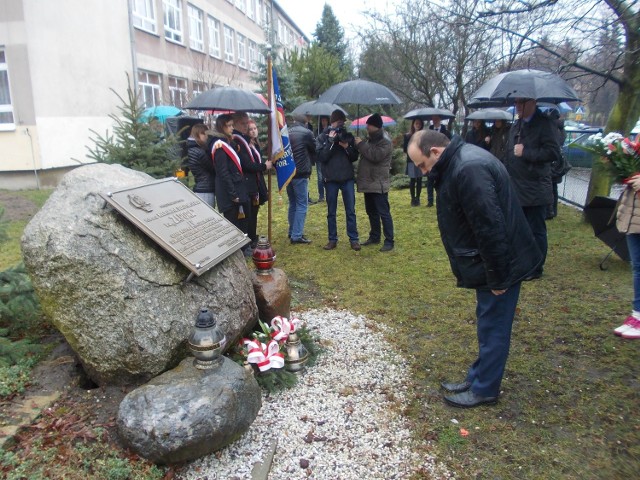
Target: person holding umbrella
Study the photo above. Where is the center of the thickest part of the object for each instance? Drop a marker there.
(532, 147)
(336, 154)
(490, 249)
(200, 165)
(253, 169)
(374, 181)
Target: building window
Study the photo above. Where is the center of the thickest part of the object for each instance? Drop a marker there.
(242, 5)
(242, 51)
(253, 56)
(6, 109)
(178, 91)
(280, 31)
(196, 31)
(214, 37)
(229, 55)
(198, 88)
(144, 15)
(252, 10)
(258, 8)
(173, 20)
(150, 87)
(266, 15)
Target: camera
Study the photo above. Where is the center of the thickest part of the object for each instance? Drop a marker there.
(342, 135)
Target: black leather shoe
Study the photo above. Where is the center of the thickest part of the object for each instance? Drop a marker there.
(302, 239)
(456, 387)
(370, 242)
(468, 399)
(387, 247)
(330, 245)
(533, 276)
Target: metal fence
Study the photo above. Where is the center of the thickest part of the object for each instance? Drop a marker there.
(574, 186)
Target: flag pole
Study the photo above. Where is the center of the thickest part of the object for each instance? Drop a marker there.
(269, 140)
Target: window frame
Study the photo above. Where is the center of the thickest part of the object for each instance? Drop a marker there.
(178, 90)
(145, 22)
(6, 108)
(196, 28)
(173, 33)
(253, 56)
(214, 45)
(229, 55)
(155, 88)
(241, 41)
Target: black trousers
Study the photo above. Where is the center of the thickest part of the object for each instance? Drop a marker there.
(379, 212)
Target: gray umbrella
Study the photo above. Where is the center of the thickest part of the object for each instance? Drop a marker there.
(428, 113)
(317, 108)
(360, 92)
(228, 98)
(490, 114)
(542, 86)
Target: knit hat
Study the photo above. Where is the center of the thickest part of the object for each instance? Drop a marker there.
(337, 116)
(375, 120)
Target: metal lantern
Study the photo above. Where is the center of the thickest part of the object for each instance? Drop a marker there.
(263, 256)
(206, 341)
(296, 354)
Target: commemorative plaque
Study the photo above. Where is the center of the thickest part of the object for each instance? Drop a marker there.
(176, 219)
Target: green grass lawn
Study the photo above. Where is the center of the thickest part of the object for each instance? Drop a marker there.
(570, 392)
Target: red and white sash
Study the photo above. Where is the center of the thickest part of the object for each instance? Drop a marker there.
(228, 150)
(255, 155)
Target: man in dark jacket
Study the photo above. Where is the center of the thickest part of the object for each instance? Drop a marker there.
(336, 153)
(531, 149)
(374, 181)
(303, 146)
(490, 248)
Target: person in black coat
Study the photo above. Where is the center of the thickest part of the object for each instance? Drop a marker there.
(336, 154)
(415, 175)
(532, 147)
(490, 248)
(303, 147)
(253, 169)
(231, 192)
(200, 164)
(478, 135)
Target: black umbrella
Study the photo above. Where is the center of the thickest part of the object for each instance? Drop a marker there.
(360, 92)
(490, 114)
(600, 214)
(542, 86)
(428, 113)
(229, 98)
(316, 108)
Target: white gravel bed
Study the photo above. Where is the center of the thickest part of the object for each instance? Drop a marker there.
(341, 421)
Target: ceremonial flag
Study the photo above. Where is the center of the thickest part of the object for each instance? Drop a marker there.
(280, 146)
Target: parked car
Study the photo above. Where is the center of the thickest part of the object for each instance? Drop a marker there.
(578, 136)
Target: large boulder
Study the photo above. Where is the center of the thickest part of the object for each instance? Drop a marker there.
(118, 298)
(187, 413)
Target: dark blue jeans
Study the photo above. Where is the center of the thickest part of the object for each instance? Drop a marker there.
(349, 199)
(298, 193)
(537, 219)
(379, 211)
(633, 242)
(495, 317)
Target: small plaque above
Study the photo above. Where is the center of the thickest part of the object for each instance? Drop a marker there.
(176, 219)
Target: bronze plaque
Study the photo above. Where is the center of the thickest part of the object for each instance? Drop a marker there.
(176, 219)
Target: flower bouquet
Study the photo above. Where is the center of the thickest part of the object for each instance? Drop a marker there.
(619, 155)
(263, 352)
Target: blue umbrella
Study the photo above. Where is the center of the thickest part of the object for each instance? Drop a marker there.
(161, 112)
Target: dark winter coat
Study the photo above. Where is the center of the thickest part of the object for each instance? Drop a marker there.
(336, 162)
(483, 229)
(252, 165)
(375, 163)
(230, 183)
(531, 173)
(303, 146)
(200, 164)
(442, 129)
(499, 141)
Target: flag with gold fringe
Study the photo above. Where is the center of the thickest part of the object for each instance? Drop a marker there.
(280, 146)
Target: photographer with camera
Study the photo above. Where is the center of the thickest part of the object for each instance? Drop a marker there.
(374, 181)
(336, 154)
